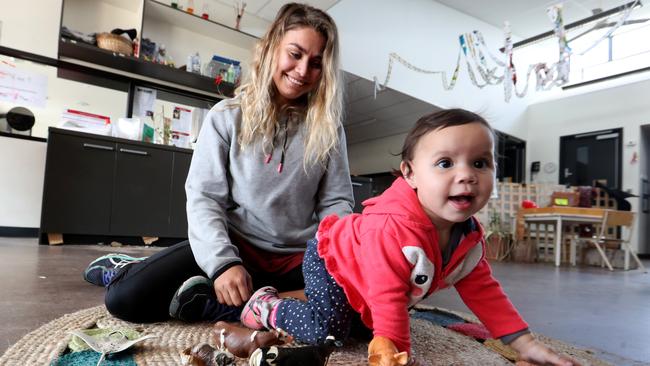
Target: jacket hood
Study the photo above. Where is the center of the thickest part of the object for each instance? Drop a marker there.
(401, 200)
(398, 200)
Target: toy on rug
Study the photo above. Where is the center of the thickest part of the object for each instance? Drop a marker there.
(107, 341)
(242, 342)
(205, 355)
(474, 330)
(382, 352)
(295, 356)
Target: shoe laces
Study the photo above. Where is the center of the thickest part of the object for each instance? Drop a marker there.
(121, 263)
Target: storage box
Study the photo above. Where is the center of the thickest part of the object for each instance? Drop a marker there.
(219, 66)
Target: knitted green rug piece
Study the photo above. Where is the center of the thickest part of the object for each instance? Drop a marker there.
(89, 357)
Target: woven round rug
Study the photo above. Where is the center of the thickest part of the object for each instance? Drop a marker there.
(431, 344)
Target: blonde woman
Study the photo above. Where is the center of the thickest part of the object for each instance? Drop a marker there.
(268, 166)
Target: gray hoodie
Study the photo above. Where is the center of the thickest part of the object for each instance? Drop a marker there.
(230, 189)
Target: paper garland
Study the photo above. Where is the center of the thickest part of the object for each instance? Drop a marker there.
(473, 49)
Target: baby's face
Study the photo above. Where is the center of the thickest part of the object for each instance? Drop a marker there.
(453, 172)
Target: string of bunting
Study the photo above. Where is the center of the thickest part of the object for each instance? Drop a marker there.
(473, 50)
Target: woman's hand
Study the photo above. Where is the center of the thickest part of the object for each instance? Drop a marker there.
(234, 287)
(535, 352)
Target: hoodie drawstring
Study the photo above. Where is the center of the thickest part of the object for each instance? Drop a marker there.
(269, 156)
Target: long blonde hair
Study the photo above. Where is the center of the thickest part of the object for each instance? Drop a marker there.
(321, 108)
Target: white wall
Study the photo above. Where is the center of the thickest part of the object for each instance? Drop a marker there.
(21, 187)
(31, 25)
(425, 33)
(625, 106)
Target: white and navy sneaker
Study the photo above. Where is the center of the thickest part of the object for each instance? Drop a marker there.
(101, 271)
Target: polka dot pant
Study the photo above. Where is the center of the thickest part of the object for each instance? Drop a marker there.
(326, 312)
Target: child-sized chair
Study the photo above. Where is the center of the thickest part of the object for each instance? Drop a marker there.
(612, 219)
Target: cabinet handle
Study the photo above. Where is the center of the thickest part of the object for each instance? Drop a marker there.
(135, 152)
(98, 147)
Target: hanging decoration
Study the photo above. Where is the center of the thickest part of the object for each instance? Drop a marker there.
(473, 50)
(239, 12)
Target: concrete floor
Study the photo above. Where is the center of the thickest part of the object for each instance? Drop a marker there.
(590, 307)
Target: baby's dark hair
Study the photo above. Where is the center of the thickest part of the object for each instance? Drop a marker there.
(436, 121)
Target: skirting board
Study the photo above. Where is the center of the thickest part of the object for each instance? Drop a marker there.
(18, 232)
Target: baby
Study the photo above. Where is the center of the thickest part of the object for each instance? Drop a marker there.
(419, 236)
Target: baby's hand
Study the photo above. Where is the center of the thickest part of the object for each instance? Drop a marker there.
(535, 352)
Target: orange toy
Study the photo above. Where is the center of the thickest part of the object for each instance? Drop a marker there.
(382, 352)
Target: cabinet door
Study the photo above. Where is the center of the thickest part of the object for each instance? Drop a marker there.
(178, 213)
(142, 191)
(78, 185)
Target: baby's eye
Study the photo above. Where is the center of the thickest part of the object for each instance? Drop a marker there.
(444, 164)
(482, 164)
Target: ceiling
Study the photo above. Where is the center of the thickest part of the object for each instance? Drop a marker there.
(367, 118)
(267, 9)
(528, 17)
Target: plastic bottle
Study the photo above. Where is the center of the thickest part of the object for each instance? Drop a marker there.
(190, 63)
(230, 74)
(175, 4)
(190, 6)
(196, 63)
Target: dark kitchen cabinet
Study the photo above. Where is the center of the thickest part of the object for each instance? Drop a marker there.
(78, 185)
(142, 191)
(103, 186)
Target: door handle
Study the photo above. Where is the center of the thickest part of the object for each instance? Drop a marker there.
(134, 152)
(567, 173)
(97, 147)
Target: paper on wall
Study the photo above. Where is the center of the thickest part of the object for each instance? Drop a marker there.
(22, 87)
(181, 127)
(143, 102)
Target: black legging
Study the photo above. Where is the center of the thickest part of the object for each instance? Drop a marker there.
(142, 291)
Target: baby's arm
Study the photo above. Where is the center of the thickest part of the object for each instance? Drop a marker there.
(534, 351)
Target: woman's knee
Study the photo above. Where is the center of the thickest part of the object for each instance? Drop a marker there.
(120, 305)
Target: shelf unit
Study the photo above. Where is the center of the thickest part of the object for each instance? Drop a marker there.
(138, 69)
(158, 21)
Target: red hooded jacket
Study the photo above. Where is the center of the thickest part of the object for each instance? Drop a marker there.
(387, 259)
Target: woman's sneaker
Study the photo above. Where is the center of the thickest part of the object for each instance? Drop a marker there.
(195, 300)
(101, 271)
(259, 308)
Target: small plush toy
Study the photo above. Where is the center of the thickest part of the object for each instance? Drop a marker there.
(298, 356)
(241, 341)
(382, 352)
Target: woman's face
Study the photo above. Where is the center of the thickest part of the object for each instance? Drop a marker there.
(298, 63)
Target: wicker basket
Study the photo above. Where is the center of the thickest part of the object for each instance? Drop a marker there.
(114, 43)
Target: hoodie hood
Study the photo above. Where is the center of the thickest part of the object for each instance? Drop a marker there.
(402, 201)
(398, 200)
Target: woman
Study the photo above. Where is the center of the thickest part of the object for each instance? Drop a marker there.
(268, 166)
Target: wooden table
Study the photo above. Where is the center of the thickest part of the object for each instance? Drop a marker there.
(560, 215)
